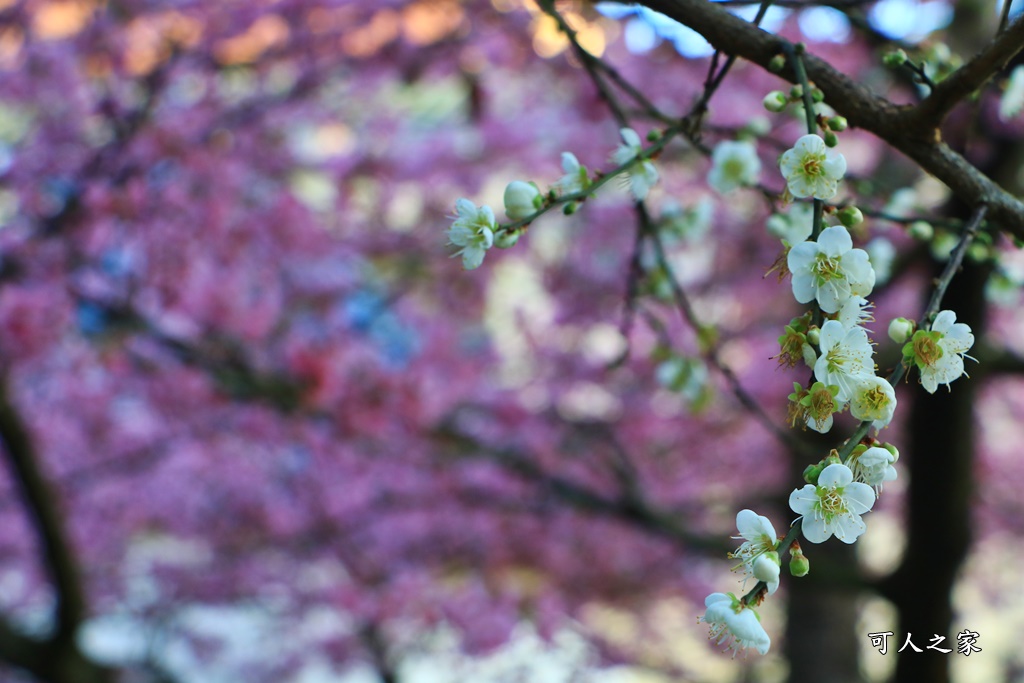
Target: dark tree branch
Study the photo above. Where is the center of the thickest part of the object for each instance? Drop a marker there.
(629, 508)
(971, 76)
(896, 125)
(41, 506)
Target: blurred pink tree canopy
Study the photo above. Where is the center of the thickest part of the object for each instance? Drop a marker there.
(241, 373)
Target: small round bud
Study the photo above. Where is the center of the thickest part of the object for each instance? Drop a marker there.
(799, 565)
(796, 92)
(831, 139)
(921, 230)
(811, 474)
(978, 253)
(776, 101)
(653, 135)
(766, 567)
(522, 199)
(900, 330)
(850, 216)
(504, 240)
(814, 336)
(569, 209)
(894, 59)
(817, 96)
(838, 123)
(776, 63)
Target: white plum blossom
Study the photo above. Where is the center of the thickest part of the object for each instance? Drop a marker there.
(521, 200)
(758, 534)
(882, 254)
(830, 270)
(1012, 100)
(845, 358)
(794, 227)
(759, 540)
(812, 169)
(873, 399)
(576, 178)
(939, 353)
(855, 312)
(643, 175)
(734, 164)
(473, 230)
(734, 624)
(874, 467)
(766, 568)
(834, 506)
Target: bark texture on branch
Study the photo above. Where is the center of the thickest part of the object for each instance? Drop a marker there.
(909, 129)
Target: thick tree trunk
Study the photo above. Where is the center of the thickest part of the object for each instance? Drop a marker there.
(940, 456)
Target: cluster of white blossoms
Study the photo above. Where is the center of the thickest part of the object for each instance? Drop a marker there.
(832, 340)
(475, 229)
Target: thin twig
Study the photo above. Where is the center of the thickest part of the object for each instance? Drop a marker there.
(709, 352)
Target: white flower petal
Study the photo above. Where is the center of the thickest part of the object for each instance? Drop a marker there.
(835, 475)
(848, 528)
(630, 137)
(835, 241)
(815, 530)
(860, 498)
(802, 501)
(943, 321)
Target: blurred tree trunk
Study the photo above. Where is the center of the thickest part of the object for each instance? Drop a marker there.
(821, 639)
(939, 464)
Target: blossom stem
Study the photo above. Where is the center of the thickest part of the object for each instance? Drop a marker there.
(955, 259)
(645, 155)
(794, 53)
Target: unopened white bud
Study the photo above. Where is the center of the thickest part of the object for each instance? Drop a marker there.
(900, 330)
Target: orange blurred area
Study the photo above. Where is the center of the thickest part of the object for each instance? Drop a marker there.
(60, 19)
(267, 32)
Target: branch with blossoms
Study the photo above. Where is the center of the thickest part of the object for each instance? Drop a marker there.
(830, 339)
(916, 135)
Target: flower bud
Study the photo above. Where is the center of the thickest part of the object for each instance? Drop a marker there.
(776, 63)
(569, 209)
(838, 123)
(811, 473)
(895, 58)
(766, 567)
(504, 240)
(814, 335)
(799, 565)
(521, 200)
(776, 101)
(796, 92)
(817, 96)
(831, 139)
(900, 330)
(978, 253)
(850, 216)
(893, 450)
(921, 230)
